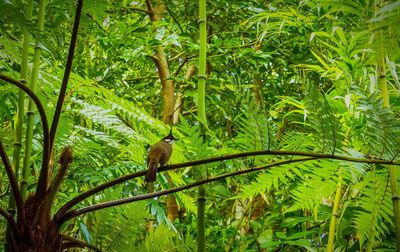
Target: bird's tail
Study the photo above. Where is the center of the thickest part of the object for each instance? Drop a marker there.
(151, 173)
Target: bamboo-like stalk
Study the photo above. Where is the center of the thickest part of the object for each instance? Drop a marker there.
(201, 193)
(335, 214)
(21, 97)
(381, 74)
(202, 63)
(201, 213)
(20, 111)
(392, 169)
(33, 86)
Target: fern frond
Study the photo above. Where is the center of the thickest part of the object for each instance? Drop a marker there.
(275, 179)
(382, 129)
(316, 188)
(297, 141)
(118, 228)
(255, 132)
(373, 220)
(327, 129)
(162, 238)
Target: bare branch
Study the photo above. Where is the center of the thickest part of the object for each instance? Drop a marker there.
(13, 182)
(174, 18)
(180, 66)
(75, 243)
(10, 220)
(43, 183)
(42, 113)
(138, 9)
(118, 202)
(187, 58)
(122, 179)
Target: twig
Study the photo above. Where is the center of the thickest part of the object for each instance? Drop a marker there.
(118, 202)
(187, 58)
(174, 18)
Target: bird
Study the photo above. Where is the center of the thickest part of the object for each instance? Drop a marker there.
(158, 155)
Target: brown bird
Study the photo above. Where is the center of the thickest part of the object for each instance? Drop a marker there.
(158, 155)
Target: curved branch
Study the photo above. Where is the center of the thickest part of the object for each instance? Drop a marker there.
(42, 113)
(122, 179)
(138, 9)
(180, 66)
(43, 183)
(10, 220)
(118, 202)
(174, 18)
(75, 243)
(187, 58)
(13, 183)
(6, 192)
(95, 190)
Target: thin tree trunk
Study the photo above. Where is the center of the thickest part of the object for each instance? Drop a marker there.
(167, 87)
(156, 14)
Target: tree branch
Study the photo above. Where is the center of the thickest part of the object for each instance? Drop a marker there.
(180, 66)
(10, 220)
(42, 113)
(138, 9)
(122, 179)
(75, 243)
(118, 202)
(14, 184)
(150, 10)
(43, 183)
(174, 18)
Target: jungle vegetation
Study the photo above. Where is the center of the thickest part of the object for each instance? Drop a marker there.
(287, 114)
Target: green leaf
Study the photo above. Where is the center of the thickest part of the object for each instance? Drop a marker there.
(85, 232)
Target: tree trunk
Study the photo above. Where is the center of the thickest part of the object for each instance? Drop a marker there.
(156, 13)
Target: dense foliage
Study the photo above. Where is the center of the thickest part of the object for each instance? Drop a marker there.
(281, 75)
